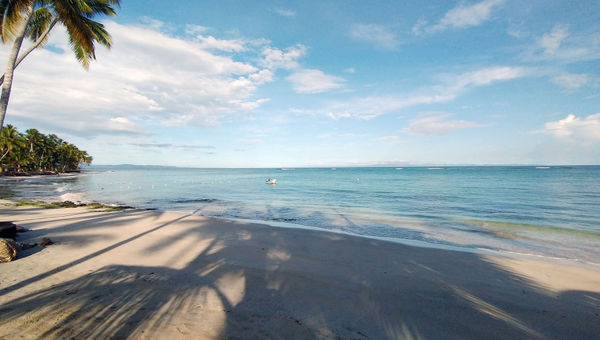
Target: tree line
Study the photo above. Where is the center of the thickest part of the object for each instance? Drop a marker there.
(33, 152)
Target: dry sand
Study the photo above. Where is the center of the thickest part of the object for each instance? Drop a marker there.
(154, 275)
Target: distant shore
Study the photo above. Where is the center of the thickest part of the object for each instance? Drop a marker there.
(150, 274)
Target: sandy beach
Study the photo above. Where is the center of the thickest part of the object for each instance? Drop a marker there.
(141, 274)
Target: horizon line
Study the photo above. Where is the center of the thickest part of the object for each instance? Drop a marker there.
(351, 166)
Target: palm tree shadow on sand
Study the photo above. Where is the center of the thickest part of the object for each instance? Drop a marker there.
(254, 282)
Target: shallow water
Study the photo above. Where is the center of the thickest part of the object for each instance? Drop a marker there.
(544, 211)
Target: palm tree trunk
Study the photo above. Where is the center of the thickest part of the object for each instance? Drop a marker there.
(1, 158)
(10, 65)
(33, 46)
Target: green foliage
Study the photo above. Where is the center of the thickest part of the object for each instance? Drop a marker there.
(35, 152)
(75, 15)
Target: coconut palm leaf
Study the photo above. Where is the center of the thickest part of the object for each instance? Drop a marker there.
(11, 17)
(84, 32)
(40, 22)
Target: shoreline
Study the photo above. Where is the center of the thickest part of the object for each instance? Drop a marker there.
(413, 243)
(291, 225)
(475, 222)
(151, 274)
(38, 173)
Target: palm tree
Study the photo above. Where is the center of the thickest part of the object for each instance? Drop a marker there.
(11, 144)
(34, 138)
(33, 19)
(35, 152)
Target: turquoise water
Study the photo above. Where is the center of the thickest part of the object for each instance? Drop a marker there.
(551, 212)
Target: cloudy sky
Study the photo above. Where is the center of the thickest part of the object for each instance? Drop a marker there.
(326, 83)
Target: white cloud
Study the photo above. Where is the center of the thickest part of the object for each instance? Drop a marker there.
(285, 12)
(195, 29)
(261, 77)
(562, 45)
(373, 106)
(152, 23)
(466, 16)
(314, 81)
(484, 76)
(550, 42)
(420, 27)
(275, 58)
(572, 126)
(374, 34)
(437, 124)
(515, 32)
(350, 70)
(211, 43)
(147, 77)
(450, 87)
(461, 16)
(123, 124)
(571, 81)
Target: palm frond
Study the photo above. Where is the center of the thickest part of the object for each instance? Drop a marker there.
(84, 32)
(81, 54)
(97, 33)
(70, 14)
(101, 35)
(100, 7)
(40, 22)
(11, 16)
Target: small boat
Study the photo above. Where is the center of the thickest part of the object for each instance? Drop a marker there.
(272, 181)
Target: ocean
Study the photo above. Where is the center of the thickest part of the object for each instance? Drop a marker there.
(551, 212)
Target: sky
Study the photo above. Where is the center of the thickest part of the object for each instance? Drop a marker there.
(325, 83)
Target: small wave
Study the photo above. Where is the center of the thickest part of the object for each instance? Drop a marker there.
(530, 254)
(516, 227)
(542, 167)
(76, 197)
(60, 189)
(435, 168)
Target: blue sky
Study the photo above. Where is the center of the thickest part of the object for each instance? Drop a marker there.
(326, 83)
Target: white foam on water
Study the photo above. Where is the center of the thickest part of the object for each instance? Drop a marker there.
(75, 197)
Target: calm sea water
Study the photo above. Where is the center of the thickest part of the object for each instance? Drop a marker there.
(550, 212)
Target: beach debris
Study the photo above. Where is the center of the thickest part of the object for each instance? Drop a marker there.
(8, 230)
(46, 241)
(9, 250)
(50, 205)
(70, 204)
(67, 204)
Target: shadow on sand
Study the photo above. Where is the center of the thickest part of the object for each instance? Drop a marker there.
(249, 281)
